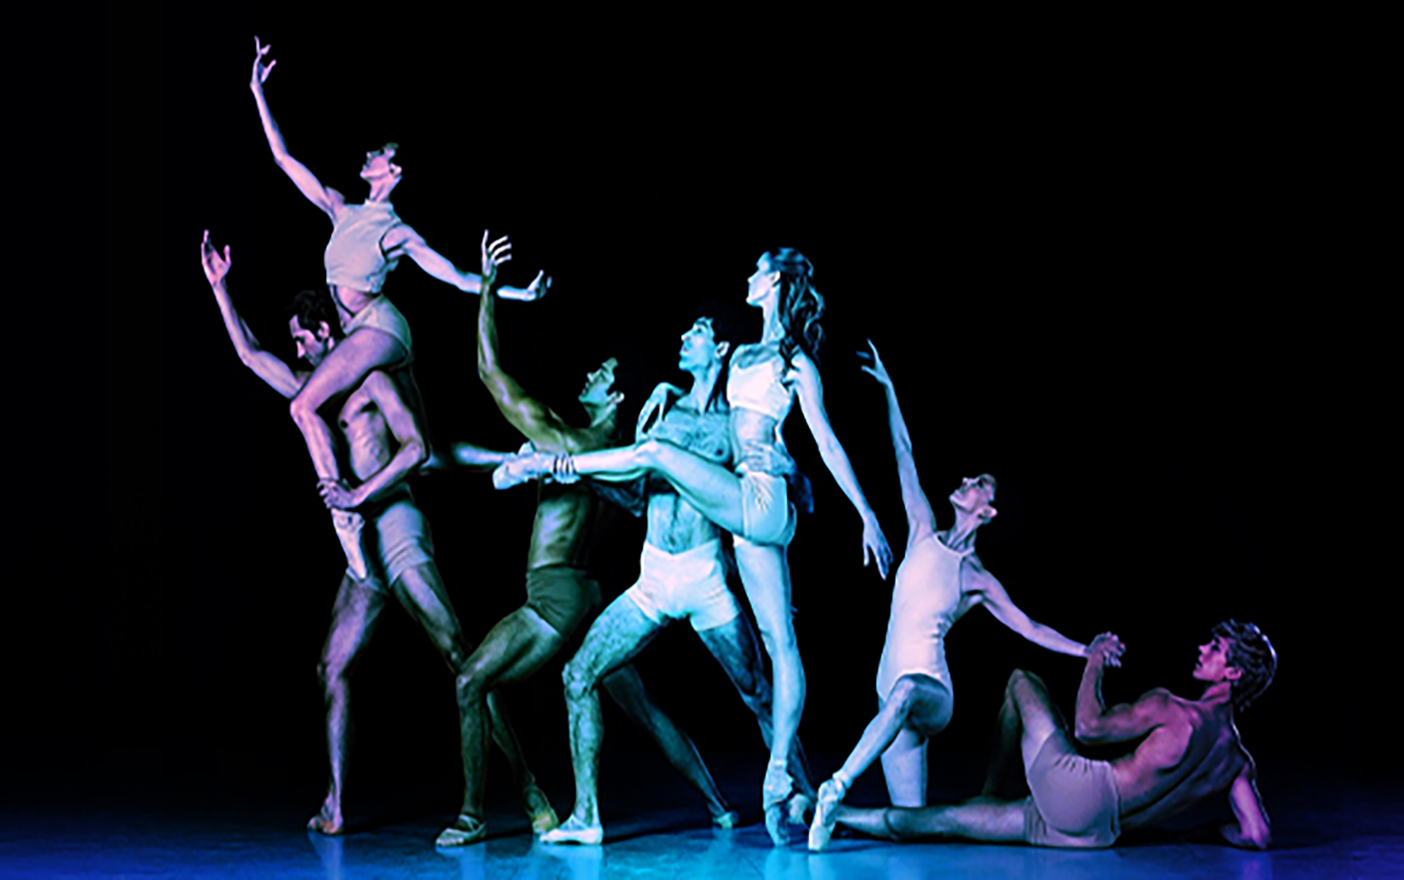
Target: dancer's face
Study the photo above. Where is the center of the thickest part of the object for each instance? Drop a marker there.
(311, 347)
(700, 349)
(764, 283)
(1213, 662)
(976, 495)
(378, 164)
(598, 384)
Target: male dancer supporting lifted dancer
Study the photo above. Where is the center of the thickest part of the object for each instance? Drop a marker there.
(367, 242)
(380, 415)
(1188, 751)
(939, 580)
(682, 576)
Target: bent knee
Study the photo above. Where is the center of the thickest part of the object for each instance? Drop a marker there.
(578, 681)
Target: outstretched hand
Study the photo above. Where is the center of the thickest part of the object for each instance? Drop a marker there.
(1108, 648)
(538, 286)
(877, 370)
(216, 267)
(494, 254)
(875, 547)
(260, 70)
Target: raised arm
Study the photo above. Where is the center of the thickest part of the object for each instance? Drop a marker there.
(1096, 724)
(404, 426)
(989, 592)
(536, 421)
(267, 367)
(811, 397)
(1253, 830)
(326, 199)
(404, 240)
(920, 520)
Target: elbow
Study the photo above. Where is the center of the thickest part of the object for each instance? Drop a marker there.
(302, 411)
(416, 452)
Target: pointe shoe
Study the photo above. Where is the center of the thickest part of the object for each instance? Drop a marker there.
(349, 525)
(526, 465)
(825, 814)
(774, 792)
(800, 804)
(729, 819)
(464, 830)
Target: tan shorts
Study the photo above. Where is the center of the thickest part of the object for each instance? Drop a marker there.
(397, 538)
(1074, 800)
(690, 584)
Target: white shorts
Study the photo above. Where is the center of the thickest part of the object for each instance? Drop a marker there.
(690, 584)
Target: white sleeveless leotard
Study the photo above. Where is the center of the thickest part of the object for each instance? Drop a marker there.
(767, 515)
(354, 257)
(925, 604)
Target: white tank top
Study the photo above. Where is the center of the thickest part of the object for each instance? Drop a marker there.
(925, 604)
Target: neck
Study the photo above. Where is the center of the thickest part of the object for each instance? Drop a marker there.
(380, 188)
(961, 536)
(704, 379)
(1220, 692)
(770, 313)
(602, 417)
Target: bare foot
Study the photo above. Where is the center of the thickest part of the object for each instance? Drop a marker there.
(576, 830)
(464, 830)
(538, 809)
(328, 819)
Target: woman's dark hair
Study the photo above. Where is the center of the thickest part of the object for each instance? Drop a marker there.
(1254, 656)
(801, 306)
(312, 307)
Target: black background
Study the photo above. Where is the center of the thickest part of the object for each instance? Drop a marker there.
(1107, 290)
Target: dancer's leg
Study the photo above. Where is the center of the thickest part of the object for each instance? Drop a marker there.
(516, 647)
(765, 574)
(734, 646)
(711, 488)
(421, 591)
(973, 820)
(619, 633)
(354, 616)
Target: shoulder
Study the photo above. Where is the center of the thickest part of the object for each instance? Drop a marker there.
(1160, 700)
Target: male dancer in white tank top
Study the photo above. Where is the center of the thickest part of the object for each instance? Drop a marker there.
(939, 580)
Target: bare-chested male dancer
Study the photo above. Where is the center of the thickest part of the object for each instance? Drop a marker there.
(939, 580)
(682, 576)
(1188, 750)
(560, 594)
(367, 242)
(381, 424)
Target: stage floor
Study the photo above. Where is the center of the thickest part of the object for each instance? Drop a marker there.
(1325, 825)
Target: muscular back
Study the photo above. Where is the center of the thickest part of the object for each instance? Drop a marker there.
(1193, 753)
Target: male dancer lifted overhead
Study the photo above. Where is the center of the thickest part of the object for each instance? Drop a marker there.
(1186, 751)
(682, 576)
(367, 242)
(381, 425)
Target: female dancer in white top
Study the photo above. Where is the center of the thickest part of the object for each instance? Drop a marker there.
(751, 502)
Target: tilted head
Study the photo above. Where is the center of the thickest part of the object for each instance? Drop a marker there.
(976, 496)
(784, 278)
(314, 325)
(1238, 653)
(598, 396)
(715, 332)
(379, 169)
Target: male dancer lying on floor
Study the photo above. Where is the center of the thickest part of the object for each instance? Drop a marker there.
(1188, 751)
(682, 576)
(380, 423)
(939, 581)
